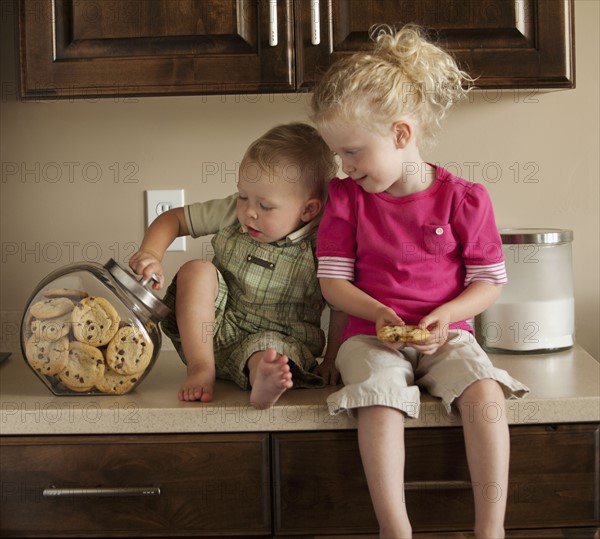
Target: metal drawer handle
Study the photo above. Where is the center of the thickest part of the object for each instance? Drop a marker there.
(92, 492)
(437, 485)
(315, 23)
(273, 23)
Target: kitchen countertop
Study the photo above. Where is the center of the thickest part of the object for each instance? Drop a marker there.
(565, 388)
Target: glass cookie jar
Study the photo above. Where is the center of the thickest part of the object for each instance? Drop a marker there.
(91, 329)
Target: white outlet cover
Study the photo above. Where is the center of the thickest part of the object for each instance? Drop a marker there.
(159, 201)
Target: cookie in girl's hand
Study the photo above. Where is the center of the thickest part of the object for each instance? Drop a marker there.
(405, 333)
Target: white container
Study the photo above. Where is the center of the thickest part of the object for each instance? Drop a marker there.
(536, 311)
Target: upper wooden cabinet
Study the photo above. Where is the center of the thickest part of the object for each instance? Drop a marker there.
(104, 48)
(101, 48)
(503, 43)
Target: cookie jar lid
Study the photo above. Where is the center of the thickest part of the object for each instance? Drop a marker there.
(129, 282)
(537, 236)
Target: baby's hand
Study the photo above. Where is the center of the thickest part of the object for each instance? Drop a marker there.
(146, 264)
(326, 370)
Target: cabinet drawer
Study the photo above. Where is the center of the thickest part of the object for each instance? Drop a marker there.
(320, 486)
(135, 485)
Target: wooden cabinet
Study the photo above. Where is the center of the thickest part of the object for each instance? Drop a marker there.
(320, 488)
(503, 43)
(150, 486)
(86, 48)
(285, 484)
(118, 48)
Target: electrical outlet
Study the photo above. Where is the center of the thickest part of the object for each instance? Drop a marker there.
(158, 202)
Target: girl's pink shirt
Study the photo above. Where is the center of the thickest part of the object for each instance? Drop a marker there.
(412, 253)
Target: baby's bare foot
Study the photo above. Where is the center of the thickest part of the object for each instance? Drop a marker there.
(271, 377)
(198, 386)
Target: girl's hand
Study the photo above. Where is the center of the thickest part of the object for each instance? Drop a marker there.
(388, 317)
(146, 264)
(437, 322)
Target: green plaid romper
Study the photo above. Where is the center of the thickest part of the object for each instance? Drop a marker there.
(269, 296)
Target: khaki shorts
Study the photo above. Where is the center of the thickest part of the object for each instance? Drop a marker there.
(375, 375)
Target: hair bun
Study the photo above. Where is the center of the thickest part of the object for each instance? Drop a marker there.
(404, 75)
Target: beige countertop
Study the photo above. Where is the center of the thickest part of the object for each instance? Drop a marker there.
(565, 388)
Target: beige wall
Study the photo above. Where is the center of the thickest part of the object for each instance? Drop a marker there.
(74, 173)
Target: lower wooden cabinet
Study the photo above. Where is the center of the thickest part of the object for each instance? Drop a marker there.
(144, 486)
(286, 484)
(320, 488)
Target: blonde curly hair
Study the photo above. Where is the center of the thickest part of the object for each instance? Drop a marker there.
(404, 76)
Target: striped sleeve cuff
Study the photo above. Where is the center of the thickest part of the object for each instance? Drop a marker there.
(334, 267)
(494, 274)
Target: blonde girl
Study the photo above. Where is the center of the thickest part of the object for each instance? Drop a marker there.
(403, 241)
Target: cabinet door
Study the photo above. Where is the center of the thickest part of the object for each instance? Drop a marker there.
(554, 476)
(320, 487)
(517, 44)
(167, 485)
(86, 48)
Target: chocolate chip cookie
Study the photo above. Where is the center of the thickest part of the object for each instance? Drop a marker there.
(95, 321)
(75, 295)
(402, 334)
(129, 352)
(85, 366)
(51, 329)
(47, 357)
(116, 384)
(51, 308)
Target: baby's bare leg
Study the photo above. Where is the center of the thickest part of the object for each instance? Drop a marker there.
(269, 377)
(381, 444)
(197, 290)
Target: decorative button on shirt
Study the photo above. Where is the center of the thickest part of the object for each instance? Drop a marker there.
(439, 231)
(260, 262)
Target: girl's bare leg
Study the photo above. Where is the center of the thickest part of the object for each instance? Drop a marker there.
(482, 408)
(269, 375)
(381, 443)
(197, 290)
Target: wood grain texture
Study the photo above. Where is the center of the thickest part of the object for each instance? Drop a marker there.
(209, 485)
(117, 48)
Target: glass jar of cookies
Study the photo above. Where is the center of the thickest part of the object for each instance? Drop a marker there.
(92, 329)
